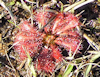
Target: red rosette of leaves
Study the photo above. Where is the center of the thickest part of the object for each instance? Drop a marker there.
(47, 44)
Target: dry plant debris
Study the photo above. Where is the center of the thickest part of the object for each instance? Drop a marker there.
(49, 38)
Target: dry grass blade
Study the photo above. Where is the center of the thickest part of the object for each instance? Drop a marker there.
(94, 57)
(11, 14)
(78, 5)
(72, 6)
(91, 42)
